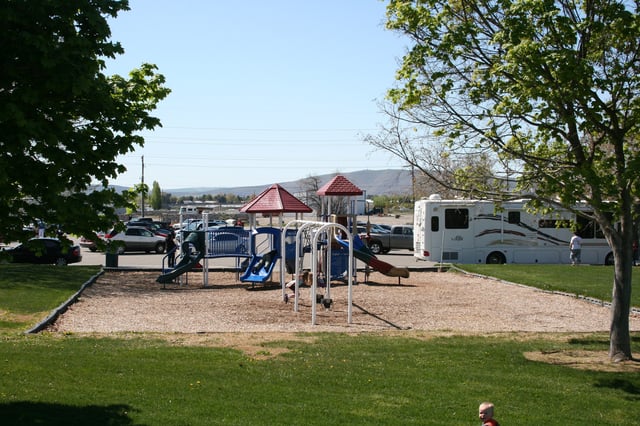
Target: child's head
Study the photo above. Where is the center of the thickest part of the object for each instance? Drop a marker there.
(485, 412)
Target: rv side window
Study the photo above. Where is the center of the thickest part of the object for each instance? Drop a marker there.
(554, 223)
(435, 223)
(456, 218)
(586, 227)
(590, 228)
(546, 223)
(514, 217)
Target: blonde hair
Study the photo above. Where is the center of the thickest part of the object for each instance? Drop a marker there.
(488, 406)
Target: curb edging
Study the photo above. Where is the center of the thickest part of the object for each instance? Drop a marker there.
(53, 316)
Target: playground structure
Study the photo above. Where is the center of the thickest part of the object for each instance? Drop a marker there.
(340, 186)
(333, 243)
(192, 251)
(333, 249)
(316, 237)
(256, 249)
(227, 241)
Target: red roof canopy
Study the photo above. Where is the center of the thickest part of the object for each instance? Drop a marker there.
(275, 199)
(339, 185)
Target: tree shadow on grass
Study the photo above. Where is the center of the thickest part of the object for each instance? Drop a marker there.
(590, 352)
(628, 386)
(27, 413)
(602, 341)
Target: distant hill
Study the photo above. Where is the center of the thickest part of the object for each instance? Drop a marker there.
(374, 182)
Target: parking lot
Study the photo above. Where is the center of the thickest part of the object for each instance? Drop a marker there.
(142, 260)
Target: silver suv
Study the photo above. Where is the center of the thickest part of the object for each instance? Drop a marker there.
(137, 238)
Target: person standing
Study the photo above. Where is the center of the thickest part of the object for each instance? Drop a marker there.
(485, 412)
(575, 247)
(171, 249)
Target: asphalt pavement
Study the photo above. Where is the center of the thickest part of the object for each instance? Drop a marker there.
(139, 260)
(153, 261)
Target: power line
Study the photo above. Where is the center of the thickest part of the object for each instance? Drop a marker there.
(253, 163)
(247, 142)
(247, 129)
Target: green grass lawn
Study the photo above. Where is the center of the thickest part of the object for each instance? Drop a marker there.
(327, 378)
(29, 292)
(338, 379)
(584, 280)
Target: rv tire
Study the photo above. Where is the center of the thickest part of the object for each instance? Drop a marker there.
(496, 258)
(609, 260)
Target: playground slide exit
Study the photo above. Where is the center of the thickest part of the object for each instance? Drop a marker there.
(362, 252)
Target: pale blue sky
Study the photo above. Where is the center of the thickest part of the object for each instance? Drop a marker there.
(263, 92)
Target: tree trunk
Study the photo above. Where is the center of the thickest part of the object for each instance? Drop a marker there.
(619, 337)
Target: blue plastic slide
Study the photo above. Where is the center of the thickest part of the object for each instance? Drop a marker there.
(260, 267)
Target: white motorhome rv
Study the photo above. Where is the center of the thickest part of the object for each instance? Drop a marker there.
(188, 210)
(475, 231)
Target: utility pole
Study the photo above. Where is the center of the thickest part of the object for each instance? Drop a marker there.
(142, 192)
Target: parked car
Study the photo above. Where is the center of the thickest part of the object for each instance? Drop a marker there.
(374, 228)
(226, 242)
(89, 243)
(151, 226)
(198, 225)
(184, 224)
(213, 224)
(163, 225)
(155, 226)
(44, 251)
(138, 238)
(141, 219)
(85, 242)
(192, 225)
(382, 228)
(400, 237)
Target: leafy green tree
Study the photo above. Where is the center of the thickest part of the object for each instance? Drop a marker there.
(155, 199)
(63, 121)
(548, 89)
